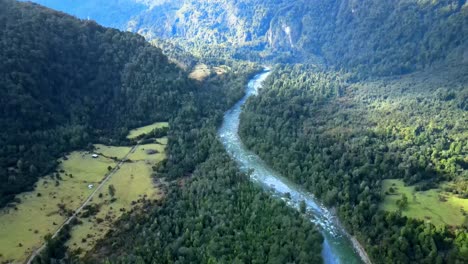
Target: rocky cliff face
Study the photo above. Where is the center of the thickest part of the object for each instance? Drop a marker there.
(392, 36)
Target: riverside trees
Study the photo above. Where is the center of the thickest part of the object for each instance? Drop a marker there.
(341, 139)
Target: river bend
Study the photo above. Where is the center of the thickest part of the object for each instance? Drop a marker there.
(337, 247)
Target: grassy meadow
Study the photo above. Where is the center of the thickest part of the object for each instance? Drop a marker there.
(134, 133)
(435, 206)
(132, 184)
(111, 151)
(42, 211)
(200, 72)
(141, 153)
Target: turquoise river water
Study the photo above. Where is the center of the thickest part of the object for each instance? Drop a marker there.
(337, 247)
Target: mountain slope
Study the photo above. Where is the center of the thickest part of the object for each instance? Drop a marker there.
(66, 83)
(373, 37)
(343, 140)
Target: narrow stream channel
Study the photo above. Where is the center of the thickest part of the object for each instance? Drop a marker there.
(337, 247)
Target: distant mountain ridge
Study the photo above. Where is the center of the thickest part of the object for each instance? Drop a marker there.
(377, 37)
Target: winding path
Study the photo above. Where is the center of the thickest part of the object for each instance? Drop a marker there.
(36, 252)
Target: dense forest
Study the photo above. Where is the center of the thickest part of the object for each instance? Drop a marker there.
(66, 83)
(341, 139)
(370, 37)
(212, 212)
(381, 94)
(214, 216)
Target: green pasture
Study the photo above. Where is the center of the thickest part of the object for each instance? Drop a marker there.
(435, 206)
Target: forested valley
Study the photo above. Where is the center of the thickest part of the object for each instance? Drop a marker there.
(213, 214)
(366, 108)
(68, 83)
(341, 139)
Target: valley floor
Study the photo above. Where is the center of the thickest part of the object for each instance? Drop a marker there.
(56, 197)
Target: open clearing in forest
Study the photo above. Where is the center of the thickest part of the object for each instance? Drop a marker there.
(42, 211)
(134, 133)
(202, 71)
(141, 152)
(133, 184)
(112, 152)
(435, 206)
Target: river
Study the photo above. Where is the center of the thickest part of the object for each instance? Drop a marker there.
(337, 247)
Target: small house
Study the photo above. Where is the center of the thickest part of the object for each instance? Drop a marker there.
(90, 186)
(95, 156)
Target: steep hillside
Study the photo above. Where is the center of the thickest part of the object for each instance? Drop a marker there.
(212, 213)
(344, 140)
(66, 83)
(373, 37)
